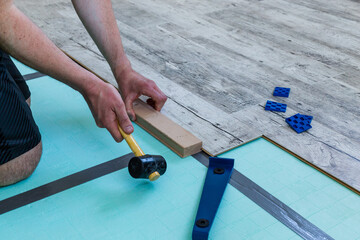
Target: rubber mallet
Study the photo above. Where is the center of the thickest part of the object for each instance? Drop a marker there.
(143, 165)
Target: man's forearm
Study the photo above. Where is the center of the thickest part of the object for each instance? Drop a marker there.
(99, 20)
(25, 41)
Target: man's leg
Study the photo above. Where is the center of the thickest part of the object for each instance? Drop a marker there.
(20, 167)
(20, 140)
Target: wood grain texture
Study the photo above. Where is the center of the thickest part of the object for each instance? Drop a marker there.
(168, 132)
(219, 61)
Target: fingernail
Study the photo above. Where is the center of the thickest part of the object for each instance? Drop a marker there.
(128, 129)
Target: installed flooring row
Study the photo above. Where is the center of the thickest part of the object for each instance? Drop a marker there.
(219, 62)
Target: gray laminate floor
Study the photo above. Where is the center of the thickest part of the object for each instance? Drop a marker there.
(219, 61)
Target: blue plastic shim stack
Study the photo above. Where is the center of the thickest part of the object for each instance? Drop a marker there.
(299, 122)
(281, 92)
(275, 106)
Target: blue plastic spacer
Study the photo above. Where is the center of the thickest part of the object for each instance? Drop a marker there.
(306, 118)
(300, 123)
(217, 178)
(281, 92)
(275, 106)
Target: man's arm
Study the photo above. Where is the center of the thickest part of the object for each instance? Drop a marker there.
(24, 41)
(98, 18)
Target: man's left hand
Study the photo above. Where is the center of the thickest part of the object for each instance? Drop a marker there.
(132, 85)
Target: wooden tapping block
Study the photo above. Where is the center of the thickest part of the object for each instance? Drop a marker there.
(158, 125)
(168, 132)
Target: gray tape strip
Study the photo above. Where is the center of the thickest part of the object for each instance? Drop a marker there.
(64, 183)
(33, 75)
(272, 205)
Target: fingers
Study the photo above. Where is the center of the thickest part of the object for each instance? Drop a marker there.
(157, 96)
(120, 117)
(159, 103)
(109, 110)
(114, 131)
(151, 102)
(129, 107)
(124, 120)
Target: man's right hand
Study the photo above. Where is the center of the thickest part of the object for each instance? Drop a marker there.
(107, 108)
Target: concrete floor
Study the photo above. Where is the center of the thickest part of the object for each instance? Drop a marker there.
(219, 61)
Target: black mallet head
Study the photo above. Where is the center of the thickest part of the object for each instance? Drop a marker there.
(147, 166)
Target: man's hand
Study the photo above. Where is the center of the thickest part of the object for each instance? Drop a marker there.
(108, 108)
(99, 20)
(132, 85)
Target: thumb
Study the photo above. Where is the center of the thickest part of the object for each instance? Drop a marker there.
(124, 120)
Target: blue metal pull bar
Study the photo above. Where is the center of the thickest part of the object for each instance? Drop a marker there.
(217, 177)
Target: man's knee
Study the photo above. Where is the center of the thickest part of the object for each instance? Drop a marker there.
(28, 101)
(32, 159)
(21, 167)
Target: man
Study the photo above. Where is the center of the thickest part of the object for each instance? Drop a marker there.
(20, 140)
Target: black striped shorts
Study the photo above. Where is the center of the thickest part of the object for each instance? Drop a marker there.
(18, 130)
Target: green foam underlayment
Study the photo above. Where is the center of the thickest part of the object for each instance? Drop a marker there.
(117, 206)
(321, 200)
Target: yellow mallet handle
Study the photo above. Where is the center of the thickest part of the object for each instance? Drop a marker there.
(134, 146)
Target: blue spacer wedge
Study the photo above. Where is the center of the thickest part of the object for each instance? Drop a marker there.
(217, 178)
